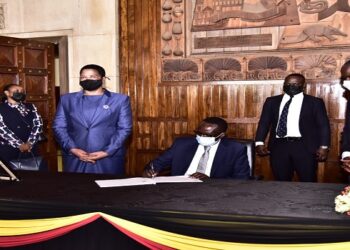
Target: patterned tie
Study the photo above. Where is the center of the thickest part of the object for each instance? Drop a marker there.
(202, 165)
(282, 124)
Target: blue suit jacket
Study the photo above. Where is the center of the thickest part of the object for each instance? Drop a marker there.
(110, 127)
(230, 160)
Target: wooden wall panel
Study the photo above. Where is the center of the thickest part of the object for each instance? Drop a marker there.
(163, 111)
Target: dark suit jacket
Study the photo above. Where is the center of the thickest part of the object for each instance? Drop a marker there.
(230, 160)
(313, 123)
(346, 131)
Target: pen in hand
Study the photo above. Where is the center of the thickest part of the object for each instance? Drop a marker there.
(153, 172)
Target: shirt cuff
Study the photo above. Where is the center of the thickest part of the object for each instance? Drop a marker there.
(345, 154)
(259, 143)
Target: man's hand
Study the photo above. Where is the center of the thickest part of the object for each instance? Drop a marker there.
(81, 154)
(199, 176)
(25, 147)
(149, 172)
(261, 150)
(346, 164)
(321, 154)
(94, 156)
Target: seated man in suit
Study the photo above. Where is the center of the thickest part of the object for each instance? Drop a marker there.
(208, 155)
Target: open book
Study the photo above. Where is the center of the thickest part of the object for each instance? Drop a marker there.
(144, 181)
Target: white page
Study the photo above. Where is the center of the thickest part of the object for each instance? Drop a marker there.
(144, 181)
(125, 182)
(172, 179)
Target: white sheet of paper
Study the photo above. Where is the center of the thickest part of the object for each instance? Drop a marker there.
(173, 179)
(144, 181)
(125, 182)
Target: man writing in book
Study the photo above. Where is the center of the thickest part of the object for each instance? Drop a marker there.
(208, 155)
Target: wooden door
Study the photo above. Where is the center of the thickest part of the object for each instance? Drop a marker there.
(31, 65)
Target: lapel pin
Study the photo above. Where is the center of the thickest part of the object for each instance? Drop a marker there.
(105, 106)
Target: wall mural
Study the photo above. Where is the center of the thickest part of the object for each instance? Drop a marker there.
(2, 16)
(221, 40)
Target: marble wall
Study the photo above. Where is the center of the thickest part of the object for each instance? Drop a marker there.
(90, 25)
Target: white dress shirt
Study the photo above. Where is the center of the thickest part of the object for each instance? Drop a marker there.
(197, 156)
(345, 154)
(293, 115)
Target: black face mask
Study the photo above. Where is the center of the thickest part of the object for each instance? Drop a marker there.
(18, 96)
(292, 90)
(90, 85)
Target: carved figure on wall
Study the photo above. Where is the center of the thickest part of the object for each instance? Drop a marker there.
(316, 66)
(172, 20)
(288, 34)
(2, 16)
(222, 69)
(267, 68)
(225, 14)
(180, 70)
(312, 7)
(339, 5)
(314, 32)
(167, 35)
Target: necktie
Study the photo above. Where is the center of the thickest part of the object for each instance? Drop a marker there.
(202, 165)
(282, 124)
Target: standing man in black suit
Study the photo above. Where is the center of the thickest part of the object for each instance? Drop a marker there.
(345, 145)
(299, 131)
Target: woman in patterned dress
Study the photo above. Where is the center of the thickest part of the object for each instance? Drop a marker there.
(20, 125)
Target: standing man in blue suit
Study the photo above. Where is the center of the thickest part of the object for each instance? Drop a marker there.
(299, 131)
(208, 155)
(92, 125)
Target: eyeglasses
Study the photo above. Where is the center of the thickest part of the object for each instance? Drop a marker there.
(83, 78)
(203, 135)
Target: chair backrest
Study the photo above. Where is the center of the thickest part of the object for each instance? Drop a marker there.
(250, 144)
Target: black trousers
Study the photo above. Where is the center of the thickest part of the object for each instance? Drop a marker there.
(288, 157)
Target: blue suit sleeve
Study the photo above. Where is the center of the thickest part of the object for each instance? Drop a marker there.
(60, 128)
(165, 159)
(241, 169)
(124, 128)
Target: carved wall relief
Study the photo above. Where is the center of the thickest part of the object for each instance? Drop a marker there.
(222, 69)
(316, 66)
(181, 70)
(172, 28)
(254, 39)
(267, 68)
(2, 16)
(228, 14)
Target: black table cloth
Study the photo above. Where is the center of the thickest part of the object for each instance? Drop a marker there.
(221, 209)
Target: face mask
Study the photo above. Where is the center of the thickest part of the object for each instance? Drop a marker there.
(292, 90)
(346, 84)
(18, 96)
(206, 141)
(90, 85)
